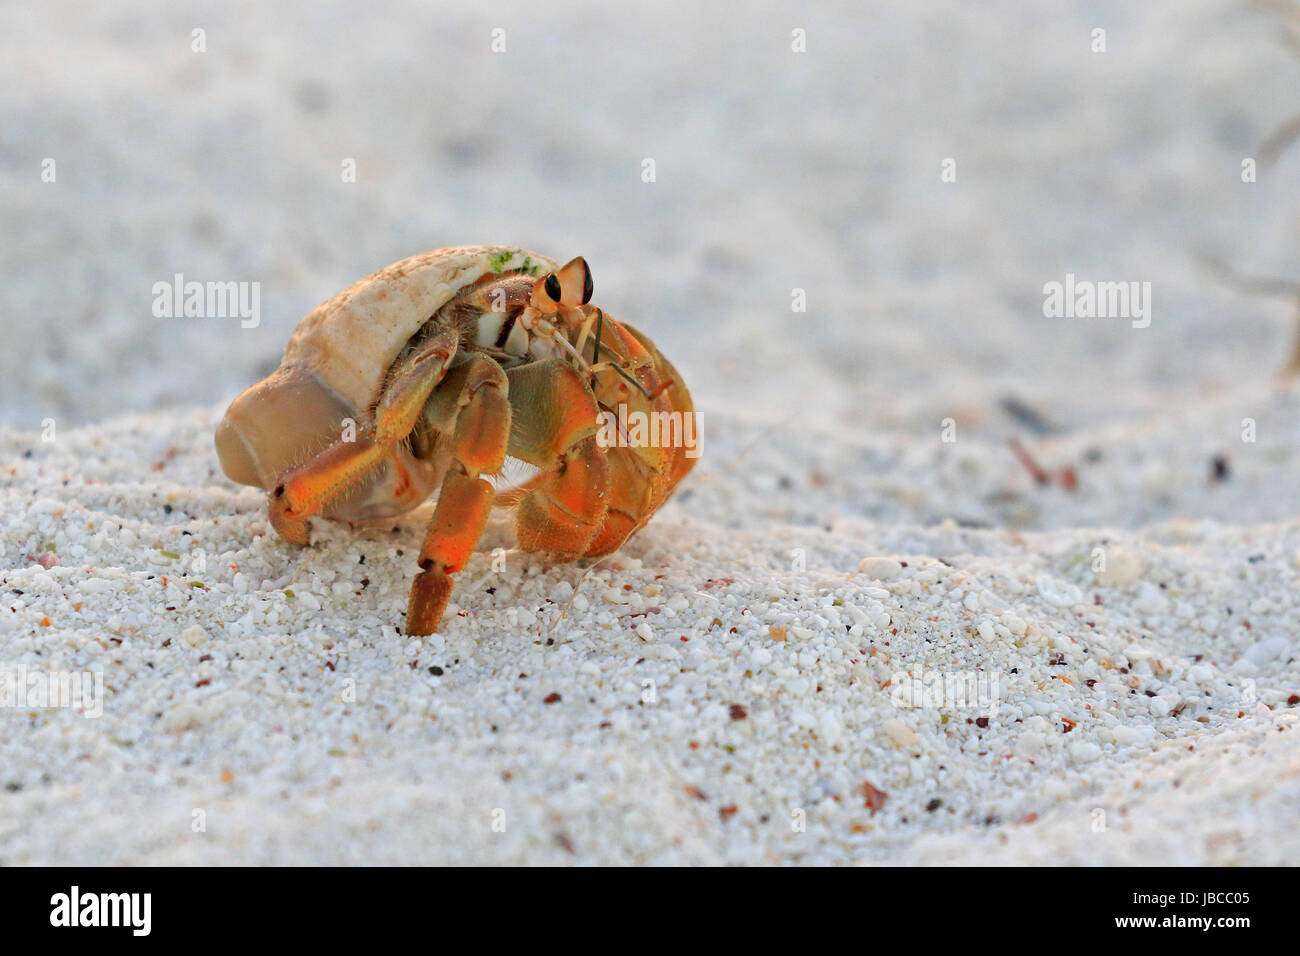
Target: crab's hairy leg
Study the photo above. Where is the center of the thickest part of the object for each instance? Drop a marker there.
(634, 494)
(463, 507)
(642, 474)
(596, 365)
(302, 491)
(553, 427)
(475, 397)
(680, 400)
(623, 374)
(595, 318)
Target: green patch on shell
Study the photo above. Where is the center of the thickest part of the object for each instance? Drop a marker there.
(498, 262)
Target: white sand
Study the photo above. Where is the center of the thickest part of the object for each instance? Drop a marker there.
(307, 729)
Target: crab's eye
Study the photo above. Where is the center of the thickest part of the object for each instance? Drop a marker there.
(587, 286)
(553, 287)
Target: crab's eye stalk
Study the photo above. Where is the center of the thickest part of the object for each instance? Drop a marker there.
(575, 283)
(566, 288)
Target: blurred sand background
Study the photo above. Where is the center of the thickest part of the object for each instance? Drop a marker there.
(775, 171)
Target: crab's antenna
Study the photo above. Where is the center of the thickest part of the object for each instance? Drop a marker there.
(595, 357)
(627, 375)
(614, 365)
(572, 351)
(600, 324)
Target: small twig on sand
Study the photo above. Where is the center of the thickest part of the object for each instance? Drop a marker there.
(1068, 476)
(1035, 470)
(1027, 415)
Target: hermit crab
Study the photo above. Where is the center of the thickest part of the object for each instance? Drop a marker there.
(434, 372)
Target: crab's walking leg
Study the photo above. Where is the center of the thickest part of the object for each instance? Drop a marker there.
(643, 478)
(304, 490)
(473, 401)
(679, 399)
(642, 473)
(634, 496)
(554, 426)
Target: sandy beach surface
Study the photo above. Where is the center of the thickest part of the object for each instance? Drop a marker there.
(863, 631)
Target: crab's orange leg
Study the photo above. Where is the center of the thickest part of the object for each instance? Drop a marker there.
(642, 475)
(562, 513)
(554, 427)
(463, 507)
(304, 490)
(480, 410)
(679, 399)
(633, 496)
